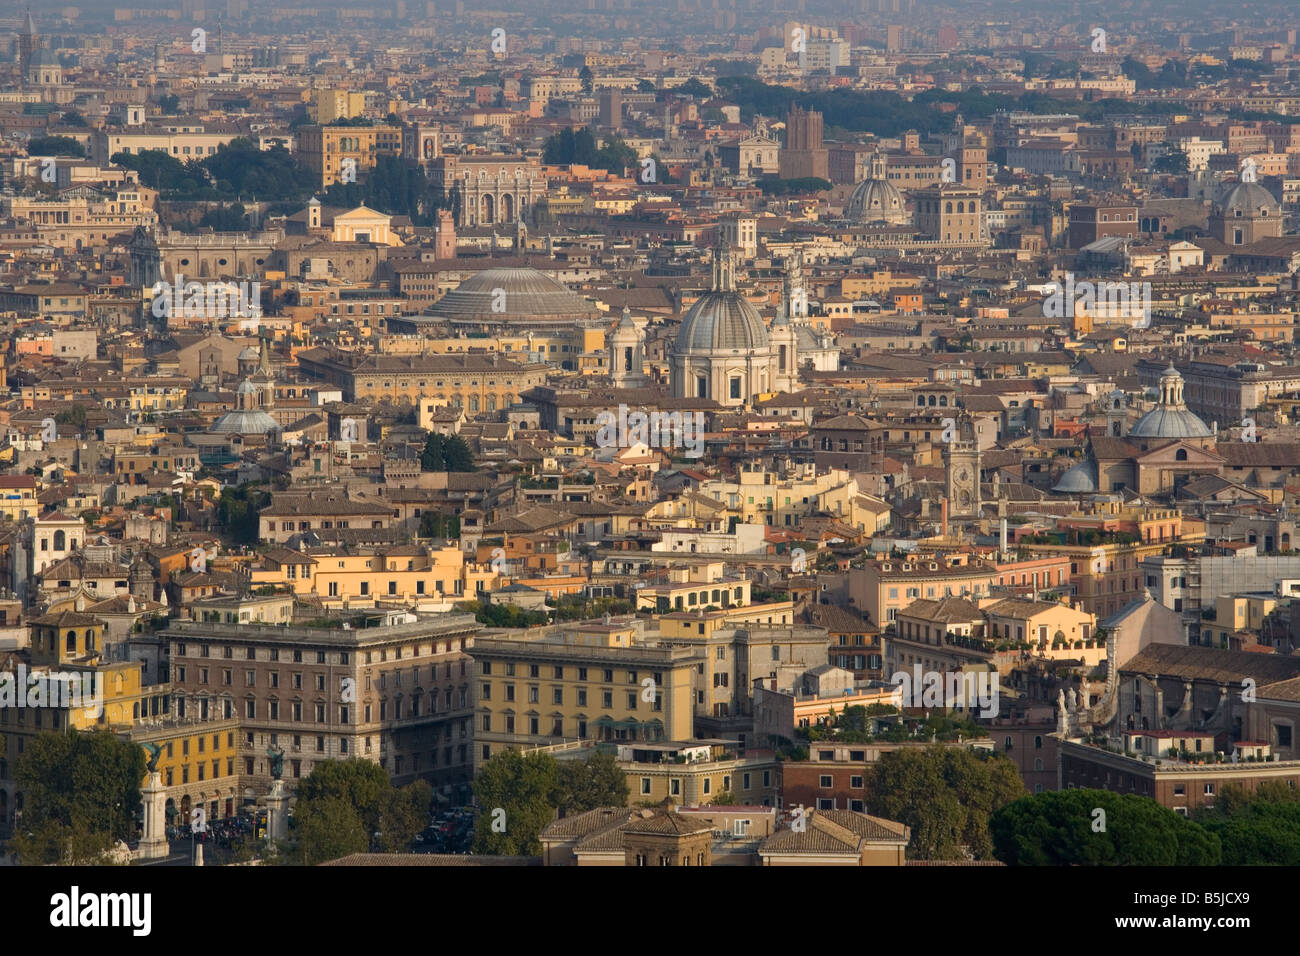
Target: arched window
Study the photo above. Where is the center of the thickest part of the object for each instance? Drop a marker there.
(1180, 455)
(60, 541)
(70, 644)
(473, 403)
(947, 207)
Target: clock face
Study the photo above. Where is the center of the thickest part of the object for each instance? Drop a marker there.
(962, 475)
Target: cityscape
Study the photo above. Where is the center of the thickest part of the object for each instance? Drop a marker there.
(589, 433)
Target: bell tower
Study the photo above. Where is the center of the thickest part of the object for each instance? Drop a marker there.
(627, 353)
(961, 467)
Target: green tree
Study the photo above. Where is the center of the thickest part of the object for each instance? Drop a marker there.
(73, 118)
(946, 795)
(55, 146)
(579, 147)
(83, 783)
(359, 783)
(442, 453)
(1139, 73)
(344, 803)
(327, 829)
(504, 615)
(51, 842)
(1175, 161)
(587, 784)
(785, 187)
(395, 187)
(169, 104)
(162, 171)
(73, 415)
(1260, 827)
(249, 172)
(403, 813)
(226, 219)
(237, 510)
(520, 787)
(1062, 827)
(434, 524)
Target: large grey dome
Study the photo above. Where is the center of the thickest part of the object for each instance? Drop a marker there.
(722, 320)
(1169, 423)
(512, 296)
(876, 200)
(1249, 199)
(1171, 418)
(1079, 480)
(249, 421)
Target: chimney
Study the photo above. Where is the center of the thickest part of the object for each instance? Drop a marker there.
(1002, 538)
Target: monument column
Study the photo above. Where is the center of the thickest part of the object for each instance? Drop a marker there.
(153, 844)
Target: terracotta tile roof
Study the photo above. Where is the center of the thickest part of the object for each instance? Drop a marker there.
(1192, 662)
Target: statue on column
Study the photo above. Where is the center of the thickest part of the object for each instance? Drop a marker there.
(277, 762)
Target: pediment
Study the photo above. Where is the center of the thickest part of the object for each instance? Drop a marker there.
(1179, 453)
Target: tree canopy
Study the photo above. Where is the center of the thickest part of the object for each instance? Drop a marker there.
(351, 806)
(443, 453)
(568, 146)
(237, 170)
(238, 512)
(946, 795)
(393, 187)
(530, 789)
(513, 791)
(785, 187)
(587, 784)
(1063, 827)
(81, 791)
(226, 219)
(55, 146)
(1259, 828)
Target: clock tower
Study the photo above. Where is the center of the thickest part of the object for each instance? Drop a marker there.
(962, 467)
